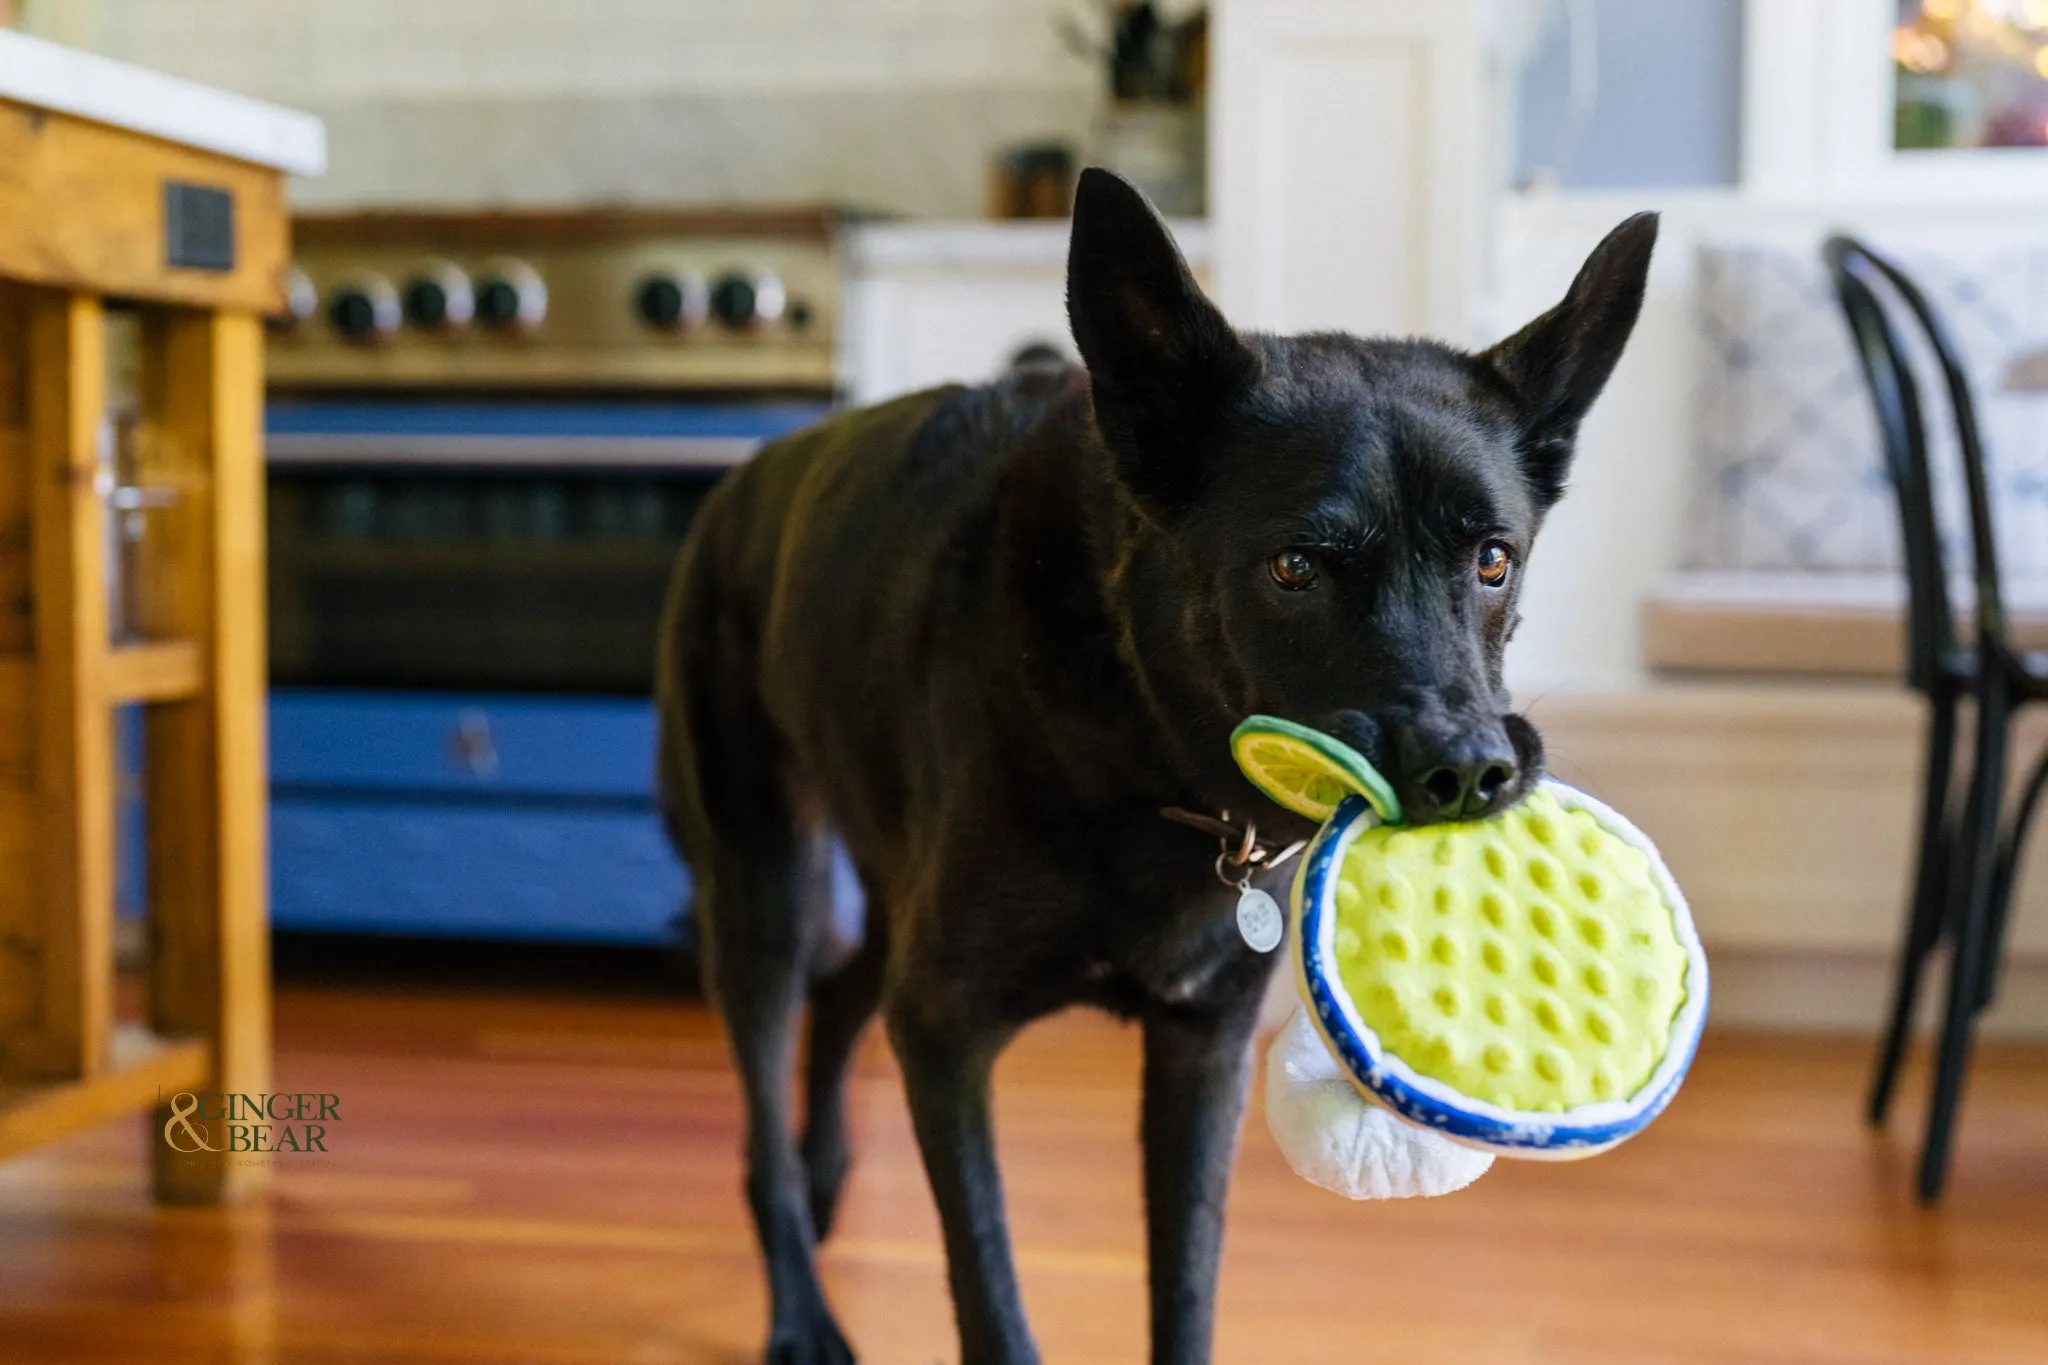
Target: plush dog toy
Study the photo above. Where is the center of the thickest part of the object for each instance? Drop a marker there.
(1529, 985)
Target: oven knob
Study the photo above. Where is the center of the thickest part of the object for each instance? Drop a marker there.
(301, 301)
(672, 300)
(747, 299)
(439, 298)
(511, 295)
(365, 309)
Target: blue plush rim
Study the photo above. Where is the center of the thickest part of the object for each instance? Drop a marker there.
(1360, 1051)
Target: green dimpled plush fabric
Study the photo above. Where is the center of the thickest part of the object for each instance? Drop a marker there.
(1527, 961)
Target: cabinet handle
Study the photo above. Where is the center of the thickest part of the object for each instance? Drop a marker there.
(471, 745)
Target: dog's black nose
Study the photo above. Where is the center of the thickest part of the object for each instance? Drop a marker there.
(1460, 774)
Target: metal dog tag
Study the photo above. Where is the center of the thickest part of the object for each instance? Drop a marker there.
(1259, 918)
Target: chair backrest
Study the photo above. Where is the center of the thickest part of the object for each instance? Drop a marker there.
(1866, 284)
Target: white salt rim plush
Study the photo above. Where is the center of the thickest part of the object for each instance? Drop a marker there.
(1384, 1078)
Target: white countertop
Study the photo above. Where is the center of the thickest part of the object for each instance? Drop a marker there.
(1035, 242)
(50, 76)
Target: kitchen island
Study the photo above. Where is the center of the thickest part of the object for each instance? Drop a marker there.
(168, 199)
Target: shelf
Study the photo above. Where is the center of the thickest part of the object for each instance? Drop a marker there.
(156, 670)
(142, 1066)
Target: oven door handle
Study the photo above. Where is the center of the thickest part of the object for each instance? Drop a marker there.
(473, 451)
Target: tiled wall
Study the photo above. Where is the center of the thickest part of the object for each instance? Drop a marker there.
(324, 50)
(889, 103)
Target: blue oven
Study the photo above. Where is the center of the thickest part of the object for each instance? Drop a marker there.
(464, 598)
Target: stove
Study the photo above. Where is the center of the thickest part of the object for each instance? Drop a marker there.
(623, 299)
(487, 434)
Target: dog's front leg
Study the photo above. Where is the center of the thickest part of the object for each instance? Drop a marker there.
(1197, 1066)
(946, 1076)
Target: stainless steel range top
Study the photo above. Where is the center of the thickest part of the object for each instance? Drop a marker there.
(590, 299)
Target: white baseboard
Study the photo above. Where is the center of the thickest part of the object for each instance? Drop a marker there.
(1851, 993)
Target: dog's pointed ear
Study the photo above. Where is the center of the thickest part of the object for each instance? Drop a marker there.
(1161, 359)
(1557, 365)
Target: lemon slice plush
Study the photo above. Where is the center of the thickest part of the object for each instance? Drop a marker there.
(1307, 771)
(1531, 984)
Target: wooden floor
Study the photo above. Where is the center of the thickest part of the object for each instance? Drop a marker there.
(517, 1178)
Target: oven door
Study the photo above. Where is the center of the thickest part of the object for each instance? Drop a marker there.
(464, 604)
(459, 546)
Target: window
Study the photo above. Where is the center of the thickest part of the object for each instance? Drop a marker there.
(1970, 73)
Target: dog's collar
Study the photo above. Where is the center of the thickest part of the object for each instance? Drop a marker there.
(1240, 853)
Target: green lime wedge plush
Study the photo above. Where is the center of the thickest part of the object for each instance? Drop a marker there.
(1307, 771)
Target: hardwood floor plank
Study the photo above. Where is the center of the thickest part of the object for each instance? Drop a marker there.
(557, 1180)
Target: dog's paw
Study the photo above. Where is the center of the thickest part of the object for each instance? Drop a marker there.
(814, 1341)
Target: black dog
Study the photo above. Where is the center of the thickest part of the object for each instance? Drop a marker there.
(983, 635)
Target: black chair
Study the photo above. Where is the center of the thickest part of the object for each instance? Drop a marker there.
(1963, 884)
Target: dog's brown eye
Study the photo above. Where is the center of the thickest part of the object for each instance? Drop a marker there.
(1292, 570)
(1494, 563)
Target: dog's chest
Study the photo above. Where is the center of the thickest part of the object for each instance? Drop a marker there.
(1192, 954)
